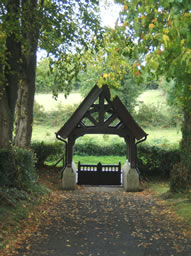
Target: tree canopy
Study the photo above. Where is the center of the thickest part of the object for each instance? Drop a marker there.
(65, 29)
(160, 32)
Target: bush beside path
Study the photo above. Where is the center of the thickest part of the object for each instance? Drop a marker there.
(94, 221)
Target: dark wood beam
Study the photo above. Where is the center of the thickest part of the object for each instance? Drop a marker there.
(91, 118)
(99, 130)
(110, 119)
(101, 109)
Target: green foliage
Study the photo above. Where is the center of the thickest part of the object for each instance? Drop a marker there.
(17, 168)
(92, 148)
(47, 151)
(129, 91)
(69, 28)
(161, 30)
(156, 161)
(87, 79)
(44, 78)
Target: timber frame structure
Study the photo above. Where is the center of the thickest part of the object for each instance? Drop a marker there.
(99, 114)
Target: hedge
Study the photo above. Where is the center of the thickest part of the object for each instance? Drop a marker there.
(156, 161)
(151, 160)
(44, 151)
(17, 168)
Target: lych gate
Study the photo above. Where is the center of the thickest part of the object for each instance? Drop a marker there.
(99, 114)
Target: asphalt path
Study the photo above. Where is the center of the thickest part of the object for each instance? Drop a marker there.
(107, 221)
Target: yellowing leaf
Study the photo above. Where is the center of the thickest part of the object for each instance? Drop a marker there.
(187, 14)
(106, 75)
(166, 39)
(182, 41)
(151, 25)
(165, 30)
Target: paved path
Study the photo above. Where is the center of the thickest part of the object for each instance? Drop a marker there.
(109, 222)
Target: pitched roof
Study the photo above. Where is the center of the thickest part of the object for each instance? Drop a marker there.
(120, 110)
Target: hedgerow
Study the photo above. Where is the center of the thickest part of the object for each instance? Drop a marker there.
(17, 168)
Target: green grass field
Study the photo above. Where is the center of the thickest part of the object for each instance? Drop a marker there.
(97, 159)
(50, 104)
(155, 97)
(156, 136)
(164, 136)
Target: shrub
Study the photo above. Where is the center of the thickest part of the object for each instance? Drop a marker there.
(91, 148)
(17, 168)
(180, 179)
(155, 115)
(44, 151)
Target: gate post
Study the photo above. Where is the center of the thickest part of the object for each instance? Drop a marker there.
(99, 167)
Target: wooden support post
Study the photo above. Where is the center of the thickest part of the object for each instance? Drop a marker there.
(127, 140)
(132, 152)
(70, 151)
(101, 109)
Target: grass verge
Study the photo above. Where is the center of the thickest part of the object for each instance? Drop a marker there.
(179, 202)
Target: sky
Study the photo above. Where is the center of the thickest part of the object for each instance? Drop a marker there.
(109, 12)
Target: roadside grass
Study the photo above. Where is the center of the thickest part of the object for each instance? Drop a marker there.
(179, 202)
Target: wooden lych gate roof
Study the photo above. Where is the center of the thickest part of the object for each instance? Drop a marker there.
(103, 117)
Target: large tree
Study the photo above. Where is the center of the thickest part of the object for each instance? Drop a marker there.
(160, 30)
(64, 29)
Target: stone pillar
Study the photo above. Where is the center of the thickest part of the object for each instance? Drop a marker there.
(69, 177)
(130, 178)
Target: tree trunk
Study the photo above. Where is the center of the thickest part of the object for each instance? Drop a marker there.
(185, 144)
(9, 70)
(180, 179)
(12, 71)
(25, 102)
(5, 124)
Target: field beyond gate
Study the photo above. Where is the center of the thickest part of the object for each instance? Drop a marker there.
(92, 174)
